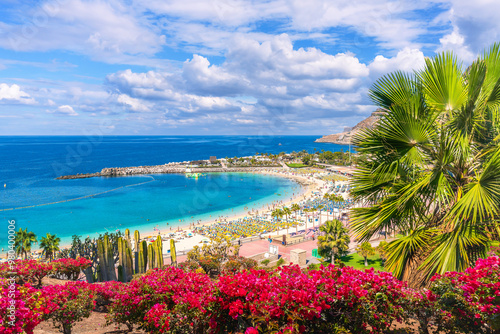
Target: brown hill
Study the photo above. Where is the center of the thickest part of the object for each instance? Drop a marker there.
(344, 138)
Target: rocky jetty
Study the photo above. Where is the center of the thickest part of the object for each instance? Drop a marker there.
(161, 169)
(344, 138)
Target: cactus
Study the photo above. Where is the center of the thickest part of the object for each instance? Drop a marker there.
(120, 252)
(173, 253)
(143, 256)
(125, 260)
(99, 274)
(102, 276)
(106, 260)
(88, 275)
(151, 256)
(127, 234)
(120, 274)
(122, 265)
(110, 260)
(159, 252)
(137, 241)
(130, 265)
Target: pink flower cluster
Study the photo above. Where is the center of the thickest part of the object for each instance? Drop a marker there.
(289, 299)
(33, 271)
(284, 300)
(68, 303)
(472, 297)
(161, 298)
(21, 308)
(70, 268)
(26, 271)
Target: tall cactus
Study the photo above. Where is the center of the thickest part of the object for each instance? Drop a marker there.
(106, 260)
(137, 240)
(125, 261)
(143, 257)
(151, 257)
(103, 272)
(129, 271)
(99, 274)
(121, 253)
(173, 253)
(127, 234)
(121, 276)
(110, 260)
(159, 252)
(121, 260)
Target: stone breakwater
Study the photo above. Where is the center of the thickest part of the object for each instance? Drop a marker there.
(163, 169)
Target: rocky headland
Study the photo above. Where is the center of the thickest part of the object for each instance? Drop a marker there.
(344, 138)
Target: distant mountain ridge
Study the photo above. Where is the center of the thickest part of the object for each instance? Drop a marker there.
(344, 138)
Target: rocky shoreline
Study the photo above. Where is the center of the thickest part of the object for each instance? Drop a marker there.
(345, 138)
(161, 169)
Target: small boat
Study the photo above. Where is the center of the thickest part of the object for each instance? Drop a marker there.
(279, 144)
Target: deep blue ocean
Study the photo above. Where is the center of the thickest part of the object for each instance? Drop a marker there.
(30, 164)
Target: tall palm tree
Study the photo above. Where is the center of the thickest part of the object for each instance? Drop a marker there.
(278, 214)
(336, 198)
(313, 210)
(335, 241)
(286, 212)
(307, 210)
(326, 196)
(23, 242)
(50, 245)
(433, 166)
(295, 208)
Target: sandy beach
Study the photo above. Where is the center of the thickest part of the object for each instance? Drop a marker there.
(186, 238)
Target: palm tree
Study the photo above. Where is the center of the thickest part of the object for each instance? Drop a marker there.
(326, 197)
(307, 215)
(23, 242)
(433, 166)
(50, 245)
(277, 213)
(319, 208)
(295, 208)
(313, 210)
(335, 198)
(286, 212)
(335, 241)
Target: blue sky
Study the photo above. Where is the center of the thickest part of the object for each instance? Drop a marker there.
(146, 67)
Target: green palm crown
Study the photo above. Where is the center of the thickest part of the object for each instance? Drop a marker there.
(431, 167)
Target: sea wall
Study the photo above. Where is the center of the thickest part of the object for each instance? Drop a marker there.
(161, 169)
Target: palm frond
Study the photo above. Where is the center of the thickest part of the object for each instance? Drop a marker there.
(455, 250)
(443, 83)
(402, 252)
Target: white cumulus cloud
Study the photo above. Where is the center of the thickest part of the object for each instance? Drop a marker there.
(132, 103)
(14, 94)
(455, 42)
(407, 60)
(64, 110)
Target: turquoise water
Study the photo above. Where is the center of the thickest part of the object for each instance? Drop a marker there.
(30, 164)
(144, 202)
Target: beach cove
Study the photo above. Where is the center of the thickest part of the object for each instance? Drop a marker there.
(170, 199)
